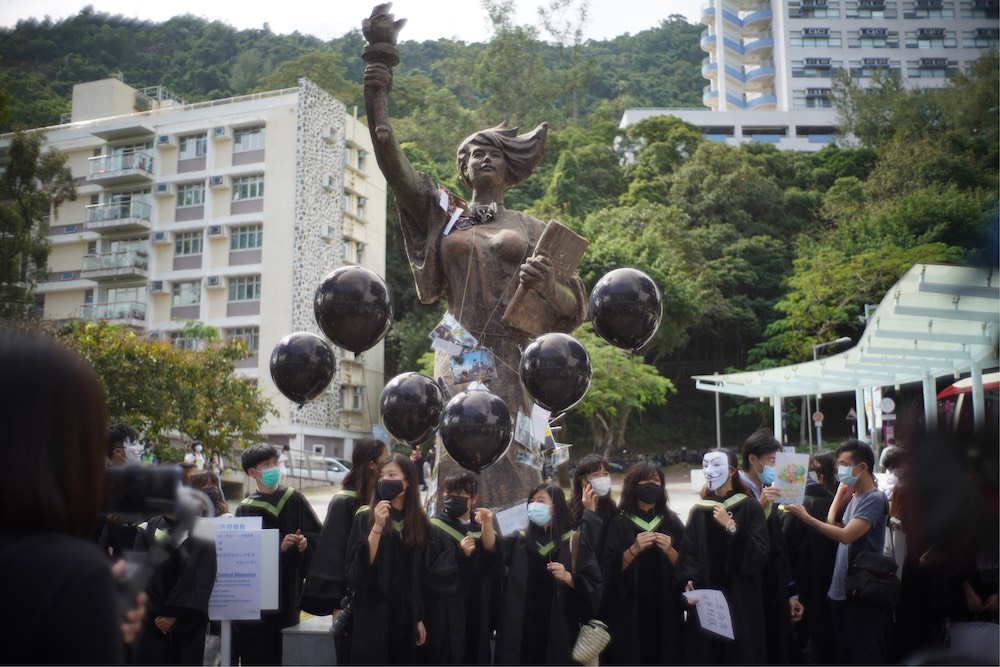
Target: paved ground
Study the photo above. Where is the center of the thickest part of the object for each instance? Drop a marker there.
(682, 498)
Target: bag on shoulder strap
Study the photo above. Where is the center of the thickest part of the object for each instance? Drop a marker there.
(594, 636)
(871, 578)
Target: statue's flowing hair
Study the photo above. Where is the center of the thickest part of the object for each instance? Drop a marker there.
(522, 152)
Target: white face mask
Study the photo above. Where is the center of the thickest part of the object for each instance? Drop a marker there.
(133, 450)
(602, 485)
(715, 466)
(813, 476)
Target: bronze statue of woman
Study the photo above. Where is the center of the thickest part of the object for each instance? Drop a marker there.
(475, 254)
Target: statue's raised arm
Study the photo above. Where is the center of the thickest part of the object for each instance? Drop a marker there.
(382, 30)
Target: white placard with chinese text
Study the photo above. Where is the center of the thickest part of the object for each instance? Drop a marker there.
(247, 569)
(713, 611)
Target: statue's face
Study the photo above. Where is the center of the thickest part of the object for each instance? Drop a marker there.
(486, 167)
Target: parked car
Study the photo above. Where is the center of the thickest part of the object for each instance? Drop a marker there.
(324, 469)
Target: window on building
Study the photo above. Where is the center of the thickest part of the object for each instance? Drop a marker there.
(362, 207)
(981, 38)
(249, 335)
(931, 38)
(248, 139)
(812, 98)
(244, 288)
(190, 194)
(345, 202)
(246, 237)
(347, 155)
(248, 187)
(362, 159)
(180, 340)
(188, 243)
(192, 146)
(186, 294)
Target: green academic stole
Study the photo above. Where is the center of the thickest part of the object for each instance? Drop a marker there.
(457, 536)
(647, 526)
(273, 510)
(544, 549)
(347, 492)
(731, 501)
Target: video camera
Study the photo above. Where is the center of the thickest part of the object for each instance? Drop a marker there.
(140, 492)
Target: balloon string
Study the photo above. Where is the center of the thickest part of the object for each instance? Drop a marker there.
(635, 387)
(359, 357)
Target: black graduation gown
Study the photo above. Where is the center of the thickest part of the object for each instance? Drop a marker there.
(540, 617)
(775, 593)
(286, 510)
(712, 558)
(458, 594)
(387, 600)
(180, 586)
(642, 605)
(811, 556)
(326, 582)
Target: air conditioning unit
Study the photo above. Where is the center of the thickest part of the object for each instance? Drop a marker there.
(218, 182)
(161, 238)
(166, 141)
(873, 32)
(927, 4)
(329, 232)
(815, 32)
(872, 4)
(331, 135)
(875, 62)
(817, 92)
(164, 189)
(158, 287)
(930, 32)
(817, 62)
(214, 282)
(933, 62)
(329, 182)
(218, 230)
(221, 133)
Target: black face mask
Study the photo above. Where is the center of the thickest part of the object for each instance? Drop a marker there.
(455, 506)
(387, 489)
(649, 493)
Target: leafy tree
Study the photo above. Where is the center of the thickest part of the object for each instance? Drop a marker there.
(586, 179)
(32, 186)
(322, 67)
(621, 386)
(167, 392)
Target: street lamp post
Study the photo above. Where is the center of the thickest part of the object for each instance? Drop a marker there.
(819, 424)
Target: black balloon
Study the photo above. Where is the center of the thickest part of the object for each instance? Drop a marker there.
(411, 406)
(476, 429)
(555, 371)
(353, 307)
(626, 308)
(302, 366)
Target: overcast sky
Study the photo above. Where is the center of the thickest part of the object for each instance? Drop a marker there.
(464, 20)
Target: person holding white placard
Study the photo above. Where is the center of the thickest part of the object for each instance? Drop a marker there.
(725, 547)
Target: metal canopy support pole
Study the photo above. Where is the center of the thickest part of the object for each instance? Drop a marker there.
(776, 403)
(978, 399)
(930, 403)
(859, 409)
(718, 420)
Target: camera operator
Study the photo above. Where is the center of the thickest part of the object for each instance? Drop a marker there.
(115, 533)
(62, 591)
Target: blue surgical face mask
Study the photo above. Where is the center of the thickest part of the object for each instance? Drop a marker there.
(767, 475)
(845, 476)
(538, 513)
(270, 477)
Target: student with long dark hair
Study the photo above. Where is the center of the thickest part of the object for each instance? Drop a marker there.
(553, 584)
(386, 563)
(53, 436)
(642, 603)
(325, 591)
(591, 504)
(725, 547)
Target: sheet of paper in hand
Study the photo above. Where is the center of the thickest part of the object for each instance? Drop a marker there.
(791, 471)
(713, 611)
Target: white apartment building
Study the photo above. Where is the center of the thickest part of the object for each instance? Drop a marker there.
(228, 212)
(777, 58)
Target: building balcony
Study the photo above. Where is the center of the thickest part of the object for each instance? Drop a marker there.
(122, 216)
(763, 103)
(116, 265)
(120, 168)
(709, 70)
(707, 14)
(129, 313)
(708, 43)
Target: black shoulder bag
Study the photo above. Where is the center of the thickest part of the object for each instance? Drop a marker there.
(871, 577)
